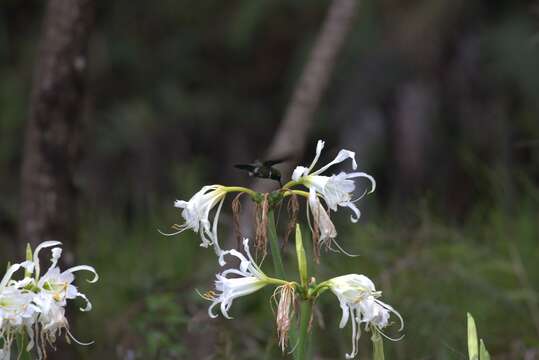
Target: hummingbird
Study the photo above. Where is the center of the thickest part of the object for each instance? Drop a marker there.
(263, 169)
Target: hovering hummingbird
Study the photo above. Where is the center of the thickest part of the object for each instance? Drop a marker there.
(263, 169)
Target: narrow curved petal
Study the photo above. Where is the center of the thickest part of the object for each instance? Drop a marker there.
(364, 175)
(9, 273)
(390, 308)
(84, 268)
(210, 310)
(341, 156)
(345, 313)
(319, 147)
(355, 338)
(357, 214)
(216, 246)
(43, 245)
(88, 306)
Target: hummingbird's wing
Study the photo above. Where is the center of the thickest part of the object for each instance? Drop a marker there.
(276, 161)
(247, 167)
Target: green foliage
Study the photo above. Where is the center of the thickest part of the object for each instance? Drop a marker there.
(160, 326)
(430, 270)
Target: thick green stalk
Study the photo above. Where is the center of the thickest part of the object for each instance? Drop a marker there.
(274, 246)
(306, 307)
(377, 346)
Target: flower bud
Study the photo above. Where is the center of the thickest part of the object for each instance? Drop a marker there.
(302, 258)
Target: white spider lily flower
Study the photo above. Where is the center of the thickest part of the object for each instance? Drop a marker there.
(36, 304)
(15, 307)
(54, 288)
(51, 316)
(250, 279)
(358, 300)
(196, 213)
(15, 303)
(59, 284)
(336, 190)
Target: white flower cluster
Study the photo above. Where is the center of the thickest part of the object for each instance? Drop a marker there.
(34, 307)
(335, 190)
(356, 293)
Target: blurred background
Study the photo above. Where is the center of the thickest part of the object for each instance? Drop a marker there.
(111, 110)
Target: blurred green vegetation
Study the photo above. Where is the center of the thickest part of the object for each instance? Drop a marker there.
(429, 269)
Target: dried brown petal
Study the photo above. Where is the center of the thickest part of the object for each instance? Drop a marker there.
(236, 209)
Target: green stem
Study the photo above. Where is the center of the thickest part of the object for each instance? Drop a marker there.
(296, 192)
(241, 189)
(305, 317)
(274, 246)
(289, 184)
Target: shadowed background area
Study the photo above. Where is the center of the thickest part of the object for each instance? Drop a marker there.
(437, 98)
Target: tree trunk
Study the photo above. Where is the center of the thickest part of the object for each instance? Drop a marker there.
(52, 139)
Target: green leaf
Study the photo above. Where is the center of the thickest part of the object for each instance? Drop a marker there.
(483, 353)
(473, 350)
(274, 246)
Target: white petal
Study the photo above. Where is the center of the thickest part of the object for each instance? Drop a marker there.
(365, 175)
(85, 268)
(345, 313)
(180, 204)
(88, 306)
(299, 171)
(218, 250)
(45, 244)
(319, 147)
(9, 273)
(390, 308)
(355, 338)
(28, 266)
(356, 211)
(341, 156)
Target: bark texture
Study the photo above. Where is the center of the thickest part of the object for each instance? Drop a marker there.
(52, 139)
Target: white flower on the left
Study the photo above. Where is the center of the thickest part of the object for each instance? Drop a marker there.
(35, 305)
(196, 213)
